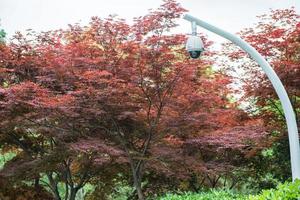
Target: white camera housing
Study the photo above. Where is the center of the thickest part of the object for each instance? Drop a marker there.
(194, 46)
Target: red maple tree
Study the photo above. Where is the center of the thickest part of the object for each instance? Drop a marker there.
(75, 102)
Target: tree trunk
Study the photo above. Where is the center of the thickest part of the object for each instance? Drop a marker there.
(67, 191)
(139, 189)
(37, 183)
(73, 194)
(137, 181)
(53, 185)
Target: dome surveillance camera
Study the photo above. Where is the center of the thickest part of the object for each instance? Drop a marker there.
(194, 46)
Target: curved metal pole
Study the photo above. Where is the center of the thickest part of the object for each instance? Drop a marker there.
(279, 88)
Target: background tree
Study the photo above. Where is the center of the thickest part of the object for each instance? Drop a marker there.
(2, 35)
(276, 37)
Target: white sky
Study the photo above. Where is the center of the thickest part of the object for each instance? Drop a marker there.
(42, 15)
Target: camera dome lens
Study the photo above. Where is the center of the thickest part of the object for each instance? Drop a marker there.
(195, 54)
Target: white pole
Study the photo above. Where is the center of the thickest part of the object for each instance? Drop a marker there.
(194, 28)
(279, 88)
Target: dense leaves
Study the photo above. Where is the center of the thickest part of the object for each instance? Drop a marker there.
(91, 104)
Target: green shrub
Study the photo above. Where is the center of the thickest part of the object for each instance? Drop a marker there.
(210, 195)
(286, 191)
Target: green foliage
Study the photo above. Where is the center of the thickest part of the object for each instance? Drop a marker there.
(212, 194)
(286, 191)
(277, 160)
(274, 106)
(6, 157)
(2, 35)
(122, 191)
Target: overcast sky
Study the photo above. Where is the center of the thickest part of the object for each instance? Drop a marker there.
(42, 15)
